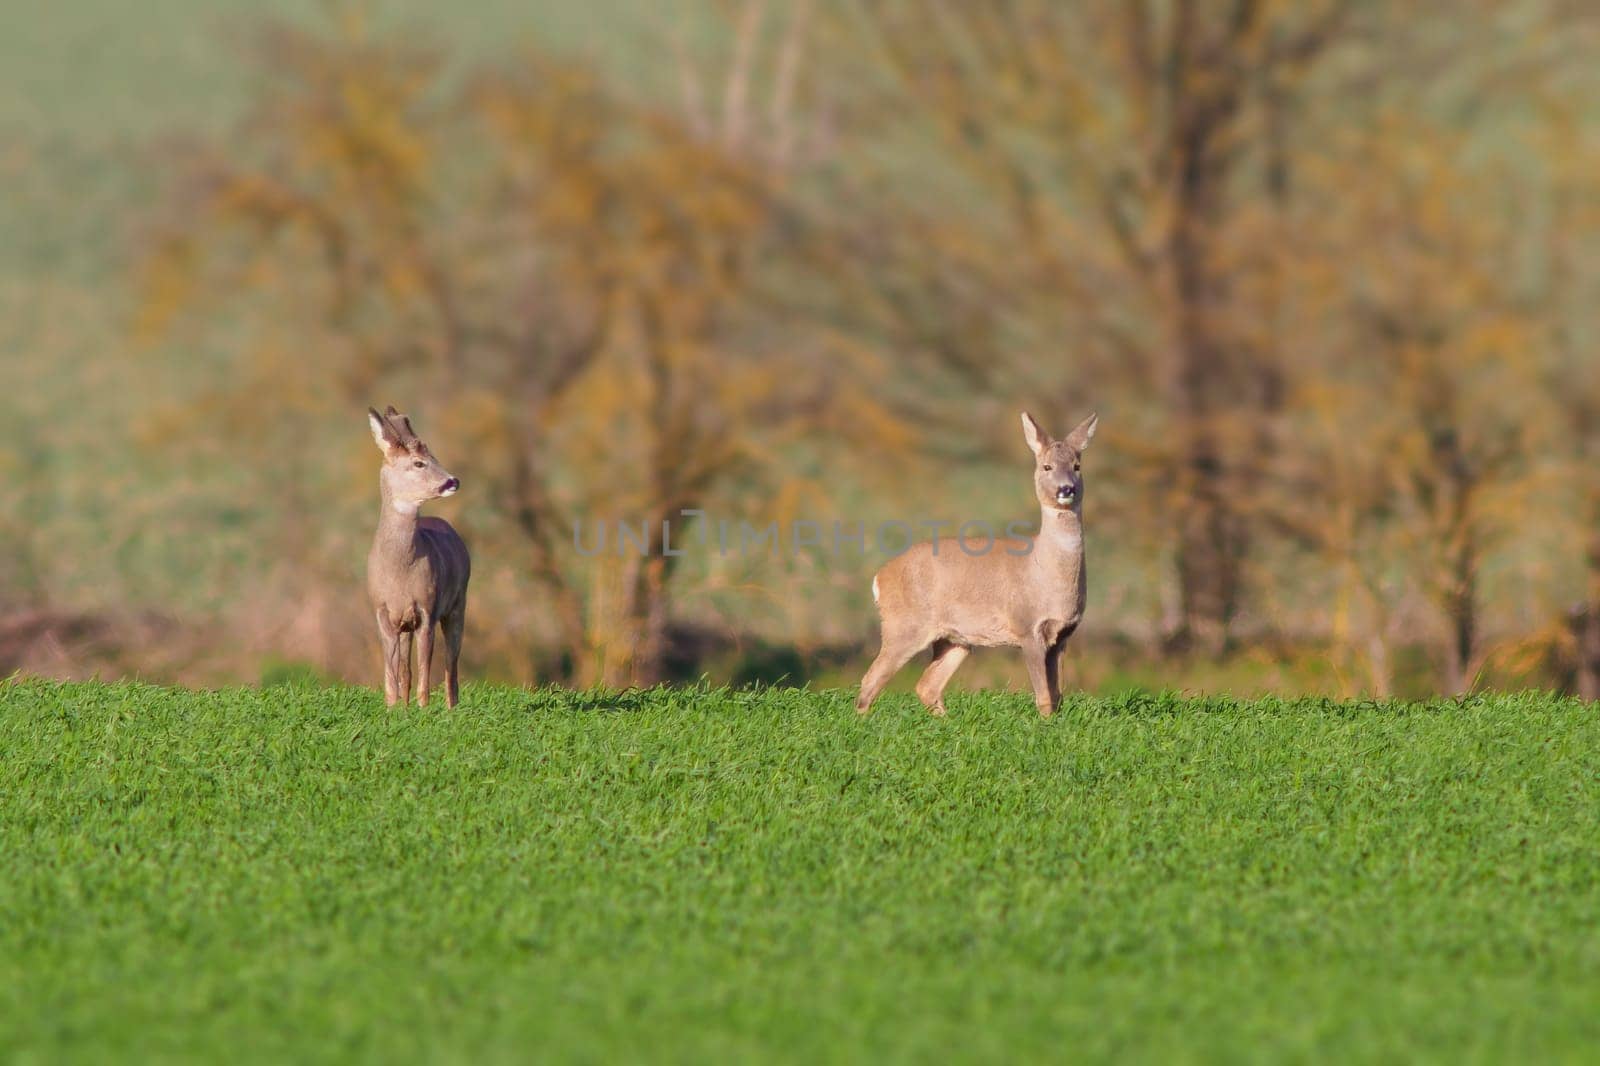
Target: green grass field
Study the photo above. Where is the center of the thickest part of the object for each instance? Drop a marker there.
(298, 875)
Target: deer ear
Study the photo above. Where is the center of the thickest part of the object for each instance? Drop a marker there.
(1037, 438)
(1083, 433)
(382, 432)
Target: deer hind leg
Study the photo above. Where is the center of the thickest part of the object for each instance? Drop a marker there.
(424, 660)
(947, 659)
(897, 649)
(454, 625)
(389, 637)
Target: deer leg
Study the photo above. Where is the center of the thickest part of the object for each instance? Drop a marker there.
(424, 660)
(453, 625)
(402, 645)
(1052, 674)
(1034, 653)
(947, 659)
(389, 638)
(1052, 665)
(896, 651)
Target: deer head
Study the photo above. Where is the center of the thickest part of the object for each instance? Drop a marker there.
(1057, 472)
(411, 476)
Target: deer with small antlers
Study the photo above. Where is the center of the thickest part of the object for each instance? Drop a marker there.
(418, 568)
(1014, 593)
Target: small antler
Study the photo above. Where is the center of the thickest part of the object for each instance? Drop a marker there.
(402, 426)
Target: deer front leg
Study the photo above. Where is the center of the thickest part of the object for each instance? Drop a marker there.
(389, 639)
(424, 660)
(1036, 654)
(1052, 663)
(402, 653)
(1052, 675)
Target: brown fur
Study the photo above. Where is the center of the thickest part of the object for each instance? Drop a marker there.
(1015, 594)
(418, 568)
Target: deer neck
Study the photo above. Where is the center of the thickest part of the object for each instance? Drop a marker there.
(397, 530)
(1061, 539)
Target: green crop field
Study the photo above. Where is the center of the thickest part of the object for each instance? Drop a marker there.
(295, 874)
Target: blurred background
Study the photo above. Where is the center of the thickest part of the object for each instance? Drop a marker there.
(1327, 269)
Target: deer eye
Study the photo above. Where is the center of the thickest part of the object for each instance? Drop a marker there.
(1047, 466)
(1076, 467)
(419, 464)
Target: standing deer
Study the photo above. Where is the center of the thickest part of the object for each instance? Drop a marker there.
(1016, 593)
(418, 568)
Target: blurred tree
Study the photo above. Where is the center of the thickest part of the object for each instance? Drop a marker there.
(567, 276)
(1287, 244)
(1571, 296)
(1299, 301)
(1116, 157)
(1423, 363)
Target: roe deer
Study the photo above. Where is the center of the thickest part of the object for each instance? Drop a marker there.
(418, 568)
(1026, 594)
